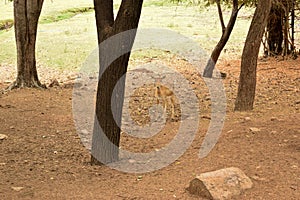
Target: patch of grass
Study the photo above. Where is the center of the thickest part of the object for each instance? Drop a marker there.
(159, 3)
(6, 24)
(172, 25)
(65, 14)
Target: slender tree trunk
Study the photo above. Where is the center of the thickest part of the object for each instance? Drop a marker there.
(106, 134)
(293, 26)
(226, 32)
(247, 82)
(26, 14)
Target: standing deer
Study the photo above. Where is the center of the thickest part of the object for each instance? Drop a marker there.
(166, 96)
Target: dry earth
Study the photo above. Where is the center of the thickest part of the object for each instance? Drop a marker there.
(44, 156)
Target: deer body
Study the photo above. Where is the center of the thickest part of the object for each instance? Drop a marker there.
(166, 96)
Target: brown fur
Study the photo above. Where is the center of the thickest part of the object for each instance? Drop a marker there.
(166, 96)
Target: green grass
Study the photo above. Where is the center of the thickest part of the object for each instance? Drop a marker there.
(65, 14)
(6, 24)
(65, 44)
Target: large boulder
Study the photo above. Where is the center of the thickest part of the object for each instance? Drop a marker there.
(221, 184)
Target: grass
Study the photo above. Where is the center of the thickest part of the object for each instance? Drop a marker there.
(65, 14)
(65, 44)
(6, 24)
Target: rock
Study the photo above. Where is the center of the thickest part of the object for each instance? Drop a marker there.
(85, 132)
(3, 137)
(297, 102)
(8, 81)
(247, 119)
(274, 119)
(207, 98)
(221, 184)
(205, 117)
(223, 75)
(254, 130)
(18, 189)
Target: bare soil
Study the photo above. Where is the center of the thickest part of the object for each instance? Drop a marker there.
(45, 157)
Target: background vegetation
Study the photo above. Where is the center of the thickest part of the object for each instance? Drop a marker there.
(67, 32)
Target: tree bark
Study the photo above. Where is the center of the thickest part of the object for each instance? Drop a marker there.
(106, 133)
(226, 32)
(247, 82)
(274, 29)
(26, 14)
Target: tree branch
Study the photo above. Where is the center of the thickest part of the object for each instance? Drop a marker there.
(221, 16)
(128, 14)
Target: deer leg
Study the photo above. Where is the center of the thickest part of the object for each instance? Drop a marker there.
(172, 107)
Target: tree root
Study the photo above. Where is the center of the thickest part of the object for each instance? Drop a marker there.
(22, 84)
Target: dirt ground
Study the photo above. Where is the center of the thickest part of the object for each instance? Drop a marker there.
(44, 156)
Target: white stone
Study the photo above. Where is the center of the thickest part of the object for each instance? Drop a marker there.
(254, 130)
(2, 136)
(17, 188)
(247, 119)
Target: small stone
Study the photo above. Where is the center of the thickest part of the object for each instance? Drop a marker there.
(273, 132)
(297, 102)
(3, 137)
(85, 132)
(223, 75)
(294, 167)
(206, 117)
(254, 130)
(207, 98)
(274, 119)
(247, 119)
(18, 189)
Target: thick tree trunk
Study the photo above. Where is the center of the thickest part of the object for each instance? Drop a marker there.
(26, 14)
(226, 32)
(106, 134)
(247, 82)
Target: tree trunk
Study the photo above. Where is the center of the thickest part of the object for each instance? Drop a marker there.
(106, 133)
(274, 29)
(247, 82)
(26, 14)
(226, 32)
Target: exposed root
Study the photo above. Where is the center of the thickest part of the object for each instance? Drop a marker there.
(22, 84)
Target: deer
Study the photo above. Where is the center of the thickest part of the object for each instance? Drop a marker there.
(166, 96)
